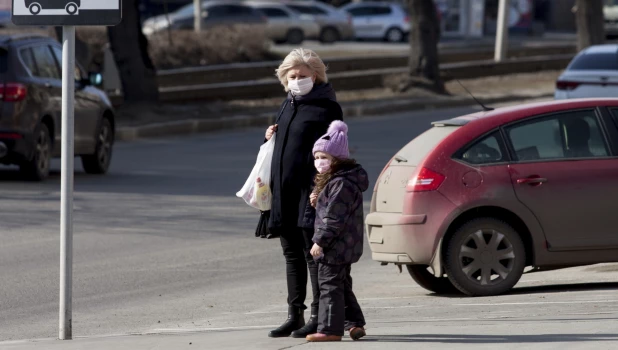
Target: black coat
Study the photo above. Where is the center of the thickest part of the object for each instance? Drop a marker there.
(302, 121)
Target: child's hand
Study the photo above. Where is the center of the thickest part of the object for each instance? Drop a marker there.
(313, 199)
(316, 251)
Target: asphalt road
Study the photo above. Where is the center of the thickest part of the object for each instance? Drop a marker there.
(162, 245)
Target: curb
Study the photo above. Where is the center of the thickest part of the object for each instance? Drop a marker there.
(201, 126)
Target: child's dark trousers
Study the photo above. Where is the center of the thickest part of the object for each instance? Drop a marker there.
(339, 310)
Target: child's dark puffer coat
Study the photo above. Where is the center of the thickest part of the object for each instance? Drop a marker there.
(339, 218)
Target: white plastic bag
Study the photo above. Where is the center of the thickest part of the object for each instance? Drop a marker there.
(256, 192)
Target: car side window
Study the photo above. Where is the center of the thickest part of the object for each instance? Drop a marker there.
(317, 11)
(274, 12)
(568, 135)
(487, 150)
(45, 62)
(381, 11)
(28, 58)
(58, 54)
(360, 11)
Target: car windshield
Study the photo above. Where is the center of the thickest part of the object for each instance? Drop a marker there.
(596, 61)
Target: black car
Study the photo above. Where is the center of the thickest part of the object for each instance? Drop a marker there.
(30, 109)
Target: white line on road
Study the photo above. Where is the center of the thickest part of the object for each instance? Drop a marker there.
(542, 303)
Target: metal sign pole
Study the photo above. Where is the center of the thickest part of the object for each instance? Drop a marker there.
(66, 183)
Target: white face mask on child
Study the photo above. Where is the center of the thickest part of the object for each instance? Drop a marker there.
(323, 165)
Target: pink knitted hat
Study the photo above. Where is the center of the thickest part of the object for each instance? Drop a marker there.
(335, 142)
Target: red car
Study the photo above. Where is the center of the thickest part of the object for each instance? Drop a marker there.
(474, 200)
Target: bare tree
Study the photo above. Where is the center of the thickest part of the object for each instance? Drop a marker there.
(130, 48)
(424, 62)
(590, 23)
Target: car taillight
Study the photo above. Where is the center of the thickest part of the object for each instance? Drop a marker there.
(10, 136)
(407, 19)
(12, 92)
(426, 180)
(566, 85)
(350, 20)
(375, 188)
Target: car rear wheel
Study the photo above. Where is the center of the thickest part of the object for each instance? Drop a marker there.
(295, 37)
(394, 35)
(485, 257)
(427, 280)
(37, 169)
(329, 35)
(98, 163)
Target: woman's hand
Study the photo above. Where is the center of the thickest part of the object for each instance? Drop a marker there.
(313, 199)
(316, 250)
(271, 131)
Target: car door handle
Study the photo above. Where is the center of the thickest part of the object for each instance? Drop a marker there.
(532, 180)
(48, 85)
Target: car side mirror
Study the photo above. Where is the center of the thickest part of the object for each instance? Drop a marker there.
(95, 79)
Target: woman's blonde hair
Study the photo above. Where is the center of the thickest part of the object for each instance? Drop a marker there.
(302, 57)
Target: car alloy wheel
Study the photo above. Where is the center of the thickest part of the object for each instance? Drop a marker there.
(394, 35)
(35, 8)
(105, 141)
(485, 257)
(42, 150)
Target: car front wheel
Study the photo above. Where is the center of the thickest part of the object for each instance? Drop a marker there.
(485, 257)
(98, 163)
(439, 285)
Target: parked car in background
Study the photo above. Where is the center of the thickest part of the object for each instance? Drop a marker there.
(610, 13)
(152, 8)
(480, 197)
(592, 73)
(30, 109)
(379, 20)
(335, 25)
(286, 25)
(214, 13)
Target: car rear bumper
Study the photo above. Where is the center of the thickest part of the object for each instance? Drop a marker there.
(406, 238)
(18, 149)
(399, 238)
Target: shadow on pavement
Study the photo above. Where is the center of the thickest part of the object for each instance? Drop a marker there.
(489, 339)
(561, 288)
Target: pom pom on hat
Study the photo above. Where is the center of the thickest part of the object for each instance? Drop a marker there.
(335, 141)
(337, 126)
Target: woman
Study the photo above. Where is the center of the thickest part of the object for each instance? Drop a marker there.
(305, 115)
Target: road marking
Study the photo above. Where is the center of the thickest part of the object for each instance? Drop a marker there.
(194, 330)
(541, 303)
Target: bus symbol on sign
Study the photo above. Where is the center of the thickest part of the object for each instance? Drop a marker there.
(70, 6)
(67, 12)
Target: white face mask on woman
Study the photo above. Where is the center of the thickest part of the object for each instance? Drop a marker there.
(300, 87)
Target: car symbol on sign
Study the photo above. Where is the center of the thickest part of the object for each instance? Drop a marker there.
(35, 6)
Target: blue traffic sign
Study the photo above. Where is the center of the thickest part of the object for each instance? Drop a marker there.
(67, 12)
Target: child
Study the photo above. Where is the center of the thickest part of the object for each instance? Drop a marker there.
(338, 238)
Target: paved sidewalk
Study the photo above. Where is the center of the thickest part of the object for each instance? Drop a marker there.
(592, 333)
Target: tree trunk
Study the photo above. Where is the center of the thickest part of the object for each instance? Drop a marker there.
(590, 23)
(130, 48)
(424, 37)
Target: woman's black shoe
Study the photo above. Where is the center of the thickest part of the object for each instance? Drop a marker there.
(311, 327)
(295, 321)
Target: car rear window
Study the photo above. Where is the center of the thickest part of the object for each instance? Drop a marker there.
(596, 61)
(415, 151)
(4, 66)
